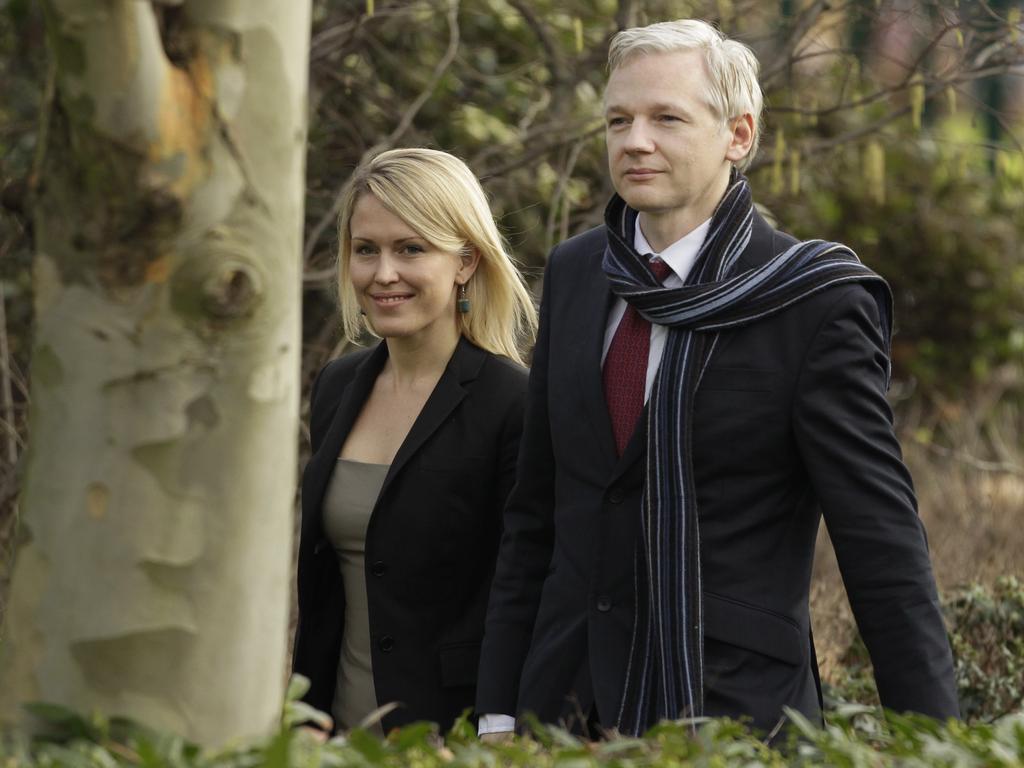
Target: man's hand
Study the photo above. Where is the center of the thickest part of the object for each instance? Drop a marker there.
(498, 737)
(319, 734)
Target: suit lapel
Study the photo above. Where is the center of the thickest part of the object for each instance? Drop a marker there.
(588, 325)
(449, 391)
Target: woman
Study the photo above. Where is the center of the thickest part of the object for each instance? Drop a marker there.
(414, 446)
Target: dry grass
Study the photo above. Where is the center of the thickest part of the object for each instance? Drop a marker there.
(972, 508)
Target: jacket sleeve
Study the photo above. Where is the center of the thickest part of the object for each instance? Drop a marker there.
(526, 542)
(844, 430)
(316, 420)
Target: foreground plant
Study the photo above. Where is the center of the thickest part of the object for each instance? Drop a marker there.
(856, 735)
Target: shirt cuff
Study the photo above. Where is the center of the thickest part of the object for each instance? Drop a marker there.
(495, 724)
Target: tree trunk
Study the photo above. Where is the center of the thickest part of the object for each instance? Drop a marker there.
(154, 575)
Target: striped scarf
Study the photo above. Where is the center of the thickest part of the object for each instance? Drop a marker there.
(664, 678)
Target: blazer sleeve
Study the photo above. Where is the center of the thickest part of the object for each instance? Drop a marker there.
(526, 543)
(844, 430)
(315, 435)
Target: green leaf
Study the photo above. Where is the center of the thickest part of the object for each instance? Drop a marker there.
(65, 722)
(276, 754)
(802, 724)
(367, 745)
(298, 686)
(414, 735)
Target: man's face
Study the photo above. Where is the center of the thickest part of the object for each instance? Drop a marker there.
(668, 153)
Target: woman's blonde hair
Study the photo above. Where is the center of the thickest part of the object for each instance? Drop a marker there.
(437, 195)
(732, 68)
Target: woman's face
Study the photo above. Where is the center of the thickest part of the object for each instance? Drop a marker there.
(404, 284)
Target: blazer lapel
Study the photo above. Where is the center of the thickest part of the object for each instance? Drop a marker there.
(589, 322)
(321, 464)
(463, 367)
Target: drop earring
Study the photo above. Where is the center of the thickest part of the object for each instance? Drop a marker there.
(463, 302)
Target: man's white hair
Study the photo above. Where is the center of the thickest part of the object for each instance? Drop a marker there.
(731, 67)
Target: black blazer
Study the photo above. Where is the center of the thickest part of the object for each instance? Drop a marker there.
(791, 422)
(432, 536)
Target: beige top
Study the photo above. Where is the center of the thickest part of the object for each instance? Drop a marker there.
(348, 502)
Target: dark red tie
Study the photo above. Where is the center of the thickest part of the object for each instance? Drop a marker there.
(625, 367)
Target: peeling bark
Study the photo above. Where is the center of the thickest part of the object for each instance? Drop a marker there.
(154, 577)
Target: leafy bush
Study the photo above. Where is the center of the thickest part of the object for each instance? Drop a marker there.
(855, 736)
(987, 635)
(855, 739)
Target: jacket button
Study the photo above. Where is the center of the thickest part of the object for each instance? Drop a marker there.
(604, 604)
(386, 643)
(378, 568)
(615, 497)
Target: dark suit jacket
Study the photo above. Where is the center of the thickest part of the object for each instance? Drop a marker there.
(791, 422)
(432, 537)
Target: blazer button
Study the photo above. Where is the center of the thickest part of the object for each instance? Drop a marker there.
(386, 643)
(604, 604)
(615, 497)
(378, 568)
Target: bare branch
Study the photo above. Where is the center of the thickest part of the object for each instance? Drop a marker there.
(333, 39)
(1007, 467)
(933, 86)
(556, 66)
(565, 131)
(435, 79)
(824, 145)
(559, 198)
(400, 129)
(528, 157)
(337, 38)
(804, 23)
(1008, 129)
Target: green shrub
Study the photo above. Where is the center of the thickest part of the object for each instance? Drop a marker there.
(987, 635)
(855, 736)
(988, 643)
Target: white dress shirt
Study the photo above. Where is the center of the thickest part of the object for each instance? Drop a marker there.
(680, 257)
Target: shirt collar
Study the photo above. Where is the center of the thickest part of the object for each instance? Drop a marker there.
(681, 254)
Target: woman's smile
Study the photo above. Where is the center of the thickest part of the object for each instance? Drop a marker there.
(390, 299)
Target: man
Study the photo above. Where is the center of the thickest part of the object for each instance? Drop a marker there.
(657, 552)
